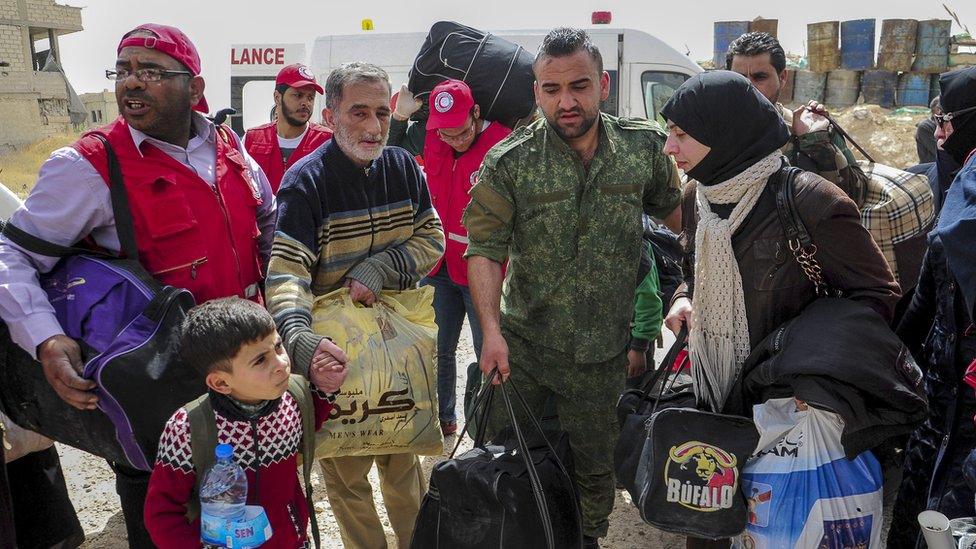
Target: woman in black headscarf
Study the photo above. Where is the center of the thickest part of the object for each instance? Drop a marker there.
(726, 136)
(742, 281)
(938, 328)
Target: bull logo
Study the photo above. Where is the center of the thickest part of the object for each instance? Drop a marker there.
(701, 477)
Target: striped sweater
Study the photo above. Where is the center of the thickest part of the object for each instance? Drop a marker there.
(337, 221)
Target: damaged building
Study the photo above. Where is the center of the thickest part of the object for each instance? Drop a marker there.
(36, 99)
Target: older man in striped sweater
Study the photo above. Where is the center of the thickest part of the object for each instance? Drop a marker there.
(354, 213)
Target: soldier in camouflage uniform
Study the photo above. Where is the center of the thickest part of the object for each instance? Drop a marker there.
(561, 200)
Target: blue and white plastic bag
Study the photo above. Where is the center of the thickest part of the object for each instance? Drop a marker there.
(801, 490)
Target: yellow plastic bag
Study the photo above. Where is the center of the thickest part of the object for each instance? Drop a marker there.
(388, 402)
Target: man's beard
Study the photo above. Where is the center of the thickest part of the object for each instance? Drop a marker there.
(349, 144)
(572, 133)
(290, 117)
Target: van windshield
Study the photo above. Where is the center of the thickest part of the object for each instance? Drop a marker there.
(658, 87)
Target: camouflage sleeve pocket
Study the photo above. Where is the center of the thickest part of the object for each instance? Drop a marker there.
(488, 220)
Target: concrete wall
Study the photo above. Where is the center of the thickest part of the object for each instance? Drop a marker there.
(102, 102)
(33, 104)
(45, 13)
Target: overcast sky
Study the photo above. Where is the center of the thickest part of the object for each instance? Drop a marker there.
(214, 25)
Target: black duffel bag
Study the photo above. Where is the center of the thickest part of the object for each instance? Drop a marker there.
(498, 71)
(688, 462)
(515, 492)
(634, 408)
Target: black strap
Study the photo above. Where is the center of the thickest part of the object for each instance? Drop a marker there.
(798, 239)
(120, 203)
(40, 246)
(663, 369)
(786, 209)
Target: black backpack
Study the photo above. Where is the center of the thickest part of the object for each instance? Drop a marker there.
(667, 257)
(516, 492)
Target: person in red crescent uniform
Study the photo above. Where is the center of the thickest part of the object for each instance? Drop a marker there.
(455, 142)
(202, 209)
(276, 146)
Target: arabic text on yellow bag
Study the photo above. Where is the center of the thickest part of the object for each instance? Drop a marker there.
(388, 402)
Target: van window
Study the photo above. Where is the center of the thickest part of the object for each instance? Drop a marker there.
(658, 88)
(610, 105)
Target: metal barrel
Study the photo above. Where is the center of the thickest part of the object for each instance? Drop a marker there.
(809, 86)
(932, 46)
(878, 88)
(823, 53)
(843, 88)
(725, 33)
(857, 44)
(913, 89)
(897, 48)
(934, 89)
(769, 26)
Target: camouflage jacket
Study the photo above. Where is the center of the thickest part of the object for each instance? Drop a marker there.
(572, 236)
(826, 154)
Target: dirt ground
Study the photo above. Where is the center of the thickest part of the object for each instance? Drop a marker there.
(92, 487)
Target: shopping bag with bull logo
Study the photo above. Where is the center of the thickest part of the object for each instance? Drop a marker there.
(689, 474)
(388, 402)
(801, 489)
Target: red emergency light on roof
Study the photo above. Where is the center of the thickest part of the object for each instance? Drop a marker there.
(601, 18)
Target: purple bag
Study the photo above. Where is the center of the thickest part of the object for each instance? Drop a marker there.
(127, 325)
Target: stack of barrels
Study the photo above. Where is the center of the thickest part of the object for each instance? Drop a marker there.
(911, 54)
(842, 65)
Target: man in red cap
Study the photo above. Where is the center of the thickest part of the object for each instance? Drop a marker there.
(276, 146)
(202, 210)
(456, 141)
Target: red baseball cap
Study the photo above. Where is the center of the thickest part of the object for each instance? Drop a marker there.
(298, 76)
(450, 103)
(172, 42)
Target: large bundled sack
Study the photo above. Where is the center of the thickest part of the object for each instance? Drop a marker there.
(898, 211)
(388, 402)
(802, 490)
(127, 325)
(498, 71)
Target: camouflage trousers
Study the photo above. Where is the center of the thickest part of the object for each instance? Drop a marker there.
(585, 396)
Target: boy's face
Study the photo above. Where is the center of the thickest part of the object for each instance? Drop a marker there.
(258, 372)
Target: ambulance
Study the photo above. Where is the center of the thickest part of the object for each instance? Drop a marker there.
(644, 71)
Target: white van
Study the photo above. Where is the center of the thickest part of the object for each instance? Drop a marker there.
(644, 71)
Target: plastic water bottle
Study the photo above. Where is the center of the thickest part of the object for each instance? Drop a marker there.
(223, 496)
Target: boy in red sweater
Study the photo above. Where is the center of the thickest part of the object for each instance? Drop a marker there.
(235, 343)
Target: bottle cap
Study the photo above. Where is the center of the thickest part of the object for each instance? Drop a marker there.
(224, 451)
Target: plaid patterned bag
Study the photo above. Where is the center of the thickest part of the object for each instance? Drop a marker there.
(897, 207)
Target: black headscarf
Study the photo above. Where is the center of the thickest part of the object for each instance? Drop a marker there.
(723, 110)
(958, 91)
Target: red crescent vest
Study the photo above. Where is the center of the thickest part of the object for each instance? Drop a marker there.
(189, 234)
(262, 144)
(449, 180)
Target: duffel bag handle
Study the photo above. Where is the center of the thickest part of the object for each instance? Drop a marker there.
(483, 404)
(537, 492)
(663, 369)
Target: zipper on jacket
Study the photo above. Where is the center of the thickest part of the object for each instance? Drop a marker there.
(230, 232)
(257, 462)
(192, 265)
